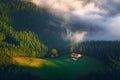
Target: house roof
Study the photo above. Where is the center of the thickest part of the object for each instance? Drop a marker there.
(74, 54)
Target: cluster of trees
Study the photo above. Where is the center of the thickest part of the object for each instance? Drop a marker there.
(8, 6)
(107, 52)
(17, 43)
(20, 43)
(54, 53)
(16, 5)
(99, 49)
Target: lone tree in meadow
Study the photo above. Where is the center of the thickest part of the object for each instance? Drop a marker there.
(54, 53)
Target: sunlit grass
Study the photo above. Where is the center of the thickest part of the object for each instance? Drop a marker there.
(32, 62)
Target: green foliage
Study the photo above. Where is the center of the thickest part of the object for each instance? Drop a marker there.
(4, 58)
(17, 43)
(12, 72)
(72, 49)
(9, 6)
(2, 36)
(100, 49)
(106, 51)
(21, 43)
(54, 53)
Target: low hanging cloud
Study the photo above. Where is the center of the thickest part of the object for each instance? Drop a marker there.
(86, 19)
(74, 37)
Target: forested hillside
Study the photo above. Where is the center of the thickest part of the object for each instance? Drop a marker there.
(102, 50)
(14, 43)
(106, 51)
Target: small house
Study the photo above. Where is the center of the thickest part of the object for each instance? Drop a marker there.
(75, 55)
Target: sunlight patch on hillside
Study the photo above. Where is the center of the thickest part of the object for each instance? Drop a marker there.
(32, 62)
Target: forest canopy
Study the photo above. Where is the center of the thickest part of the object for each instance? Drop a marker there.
(17, 43)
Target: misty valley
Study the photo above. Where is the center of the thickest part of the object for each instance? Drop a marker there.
(59, 40)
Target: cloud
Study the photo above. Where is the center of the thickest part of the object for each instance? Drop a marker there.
(86, 19)
(74, 37)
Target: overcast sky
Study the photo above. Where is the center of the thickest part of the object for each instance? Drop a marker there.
(86, 19)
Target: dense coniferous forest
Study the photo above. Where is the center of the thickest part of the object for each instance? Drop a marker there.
(106, 51)
(16, 40)
(103, 50)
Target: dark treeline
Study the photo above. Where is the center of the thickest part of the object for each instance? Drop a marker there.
(105, 51)
(108, 52)
(102, 50)
(13, 72)
(9, 6)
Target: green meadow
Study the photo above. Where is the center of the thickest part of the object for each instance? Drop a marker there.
(61, 68)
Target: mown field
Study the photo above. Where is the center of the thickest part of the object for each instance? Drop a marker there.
(61, 68)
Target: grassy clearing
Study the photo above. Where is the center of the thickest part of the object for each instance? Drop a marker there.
(32, 62)
(60, 68)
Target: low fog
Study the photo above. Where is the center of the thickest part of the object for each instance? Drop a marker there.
(85, 19)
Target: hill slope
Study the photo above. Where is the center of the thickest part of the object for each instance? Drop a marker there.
(13, 42)
(61, 68)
